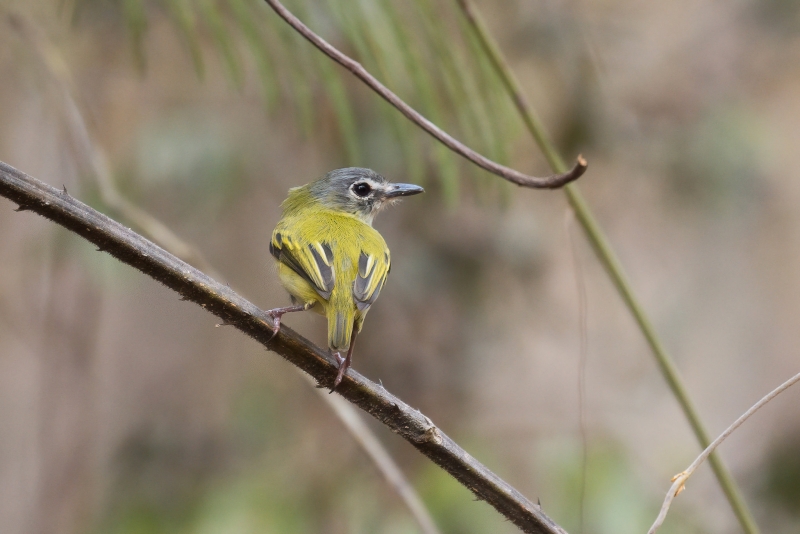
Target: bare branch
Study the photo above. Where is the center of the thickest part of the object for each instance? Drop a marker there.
(131, 248)
(679, 480)
(94, 158)
(550, 182)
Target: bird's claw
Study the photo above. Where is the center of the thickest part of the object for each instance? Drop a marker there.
(344, 364)
(277, 313)
(276, 324)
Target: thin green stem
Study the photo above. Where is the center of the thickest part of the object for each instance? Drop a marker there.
(609, 260)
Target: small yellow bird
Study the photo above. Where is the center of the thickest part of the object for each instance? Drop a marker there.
(329, 257)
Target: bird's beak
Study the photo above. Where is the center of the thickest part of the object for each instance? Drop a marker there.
(403, 190)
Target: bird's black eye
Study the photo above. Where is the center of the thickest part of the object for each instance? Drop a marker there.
(362, 189)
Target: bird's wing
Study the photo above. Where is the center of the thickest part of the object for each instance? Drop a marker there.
(372, 271)
(312, 261)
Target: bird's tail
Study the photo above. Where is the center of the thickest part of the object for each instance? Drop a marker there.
(340, 328)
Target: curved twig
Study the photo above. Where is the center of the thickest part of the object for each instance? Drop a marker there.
(679, 480)
(554, 181)
(131, 248)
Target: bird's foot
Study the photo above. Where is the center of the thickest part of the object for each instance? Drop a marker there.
(276, 314)
(344, 364)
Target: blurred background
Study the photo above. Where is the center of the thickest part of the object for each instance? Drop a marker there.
(124, 410)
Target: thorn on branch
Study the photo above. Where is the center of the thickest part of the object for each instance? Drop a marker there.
(683, 476)
(64, 190)
(431, 435)
(23, 207)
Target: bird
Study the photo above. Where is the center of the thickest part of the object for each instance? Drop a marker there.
(329, 257)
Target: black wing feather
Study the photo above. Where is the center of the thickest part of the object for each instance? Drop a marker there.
(364, 280)
(302, 262)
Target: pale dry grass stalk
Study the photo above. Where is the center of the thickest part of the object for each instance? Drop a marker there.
(679, 480)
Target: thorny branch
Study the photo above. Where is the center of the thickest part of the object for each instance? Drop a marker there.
(152, 228)
(554, 181)
(193, 285)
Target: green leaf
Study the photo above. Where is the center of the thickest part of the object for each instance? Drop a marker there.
(296, 65)
(246, 18)
(184, 18)
(136, 21)
(216, 23)
(342, 108)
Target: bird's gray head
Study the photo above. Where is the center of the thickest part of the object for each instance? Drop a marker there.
(360, 192)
